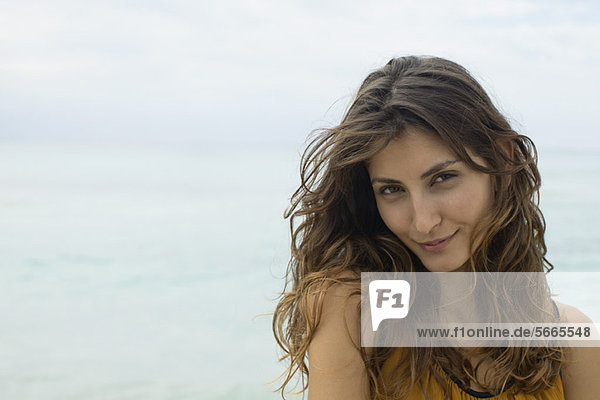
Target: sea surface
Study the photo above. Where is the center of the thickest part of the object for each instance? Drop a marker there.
(130, 272)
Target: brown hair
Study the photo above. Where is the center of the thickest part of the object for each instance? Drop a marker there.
(340, 230)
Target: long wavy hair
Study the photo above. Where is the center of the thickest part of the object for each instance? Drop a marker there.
(337, 232)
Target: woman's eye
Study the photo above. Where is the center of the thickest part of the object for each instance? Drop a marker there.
(443, 177)
(389, 189)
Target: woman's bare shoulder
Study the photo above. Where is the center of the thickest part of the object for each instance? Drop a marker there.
(339, 304)
(571, 314)
(336, 368)
(581, 372)
(334, 292)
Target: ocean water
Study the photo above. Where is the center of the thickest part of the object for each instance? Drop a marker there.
(146, 272)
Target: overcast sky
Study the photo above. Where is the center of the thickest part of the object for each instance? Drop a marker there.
(270, 71)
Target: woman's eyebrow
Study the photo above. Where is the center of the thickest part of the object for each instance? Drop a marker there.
(436, 168)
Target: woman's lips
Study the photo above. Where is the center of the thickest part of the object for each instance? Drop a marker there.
(437, 245)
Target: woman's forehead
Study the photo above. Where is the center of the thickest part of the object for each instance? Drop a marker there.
(412, 148)
(416, 151)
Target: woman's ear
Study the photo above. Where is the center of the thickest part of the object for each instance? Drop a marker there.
(507, 148)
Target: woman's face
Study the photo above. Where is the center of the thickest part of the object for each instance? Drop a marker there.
(430, 199)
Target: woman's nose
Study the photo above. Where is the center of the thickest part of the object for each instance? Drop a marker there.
(425, 216)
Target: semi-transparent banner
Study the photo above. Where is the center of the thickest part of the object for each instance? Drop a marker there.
(465, 309)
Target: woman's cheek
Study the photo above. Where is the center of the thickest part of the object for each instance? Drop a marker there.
(457, 204)
(393, 218)
(470, 203)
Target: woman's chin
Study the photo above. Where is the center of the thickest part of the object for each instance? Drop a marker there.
(447, 267)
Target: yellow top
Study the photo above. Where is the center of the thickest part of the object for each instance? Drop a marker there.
(436, 391)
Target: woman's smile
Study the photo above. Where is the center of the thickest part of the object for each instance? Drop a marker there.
(438, 244)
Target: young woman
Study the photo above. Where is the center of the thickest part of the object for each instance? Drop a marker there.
(422, 174)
